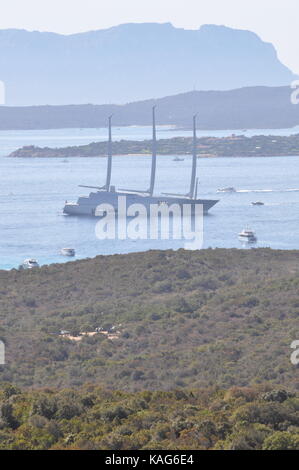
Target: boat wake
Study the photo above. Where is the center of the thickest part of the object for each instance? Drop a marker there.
(292, 190)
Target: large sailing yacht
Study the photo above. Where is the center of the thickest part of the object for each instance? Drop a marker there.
(107, 194)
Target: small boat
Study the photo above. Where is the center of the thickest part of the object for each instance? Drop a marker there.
(67, 252)
(248, 235)
(257, 203)
(177, 159)
(29, 264)
(226, 190)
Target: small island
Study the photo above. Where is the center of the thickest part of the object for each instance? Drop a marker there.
(232, 146)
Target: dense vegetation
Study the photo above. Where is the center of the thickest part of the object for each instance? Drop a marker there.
(198, 355)
(234, 146)
(185, 319)
(93, 418)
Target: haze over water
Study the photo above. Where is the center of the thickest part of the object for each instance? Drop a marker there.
(33, 192)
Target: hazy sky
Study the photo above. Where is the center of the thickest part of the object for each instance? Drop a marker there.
(274, 21)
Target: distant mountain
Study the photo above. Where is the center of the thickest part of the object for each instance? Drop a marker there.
(254, 107)
(133, 62)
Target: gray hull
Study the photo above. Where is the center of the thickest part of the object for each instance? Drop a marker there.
(87, 205)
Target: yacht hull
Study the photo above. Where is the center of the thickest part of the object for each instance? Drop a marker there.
(87, 205)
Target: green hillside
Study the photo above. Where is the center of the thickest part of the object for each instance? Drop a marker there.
(233, 146)
(177, 320)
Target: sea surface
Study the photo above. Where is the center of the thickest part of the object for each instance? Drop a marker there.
(33, 193)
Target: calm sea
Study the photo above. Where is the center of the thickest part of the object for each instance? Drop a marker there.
(33, 192)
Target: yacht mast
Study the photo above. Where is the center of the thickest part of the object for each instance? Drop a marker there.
(150, 191)
(194, 161)
(109, 163)
(154, 154)
(106, 187)
(194, 181)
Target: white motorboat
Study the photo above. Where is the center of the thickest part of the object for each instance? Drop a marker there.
(226, 190)
(67, 252)
(247, 235)
(29, 264)
(257, 203)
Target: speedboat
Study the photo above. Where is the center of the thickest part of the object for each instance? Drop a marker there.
(257, 203)
(29, 264)
(247, 235)
(67, 252)
(178, 159)
(226, 190)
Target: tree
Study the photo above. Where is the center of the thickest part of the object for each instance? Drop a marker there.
(281, 441)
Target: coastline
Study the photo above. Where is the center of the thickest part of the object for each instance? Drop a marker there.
(59, 157)
(207, 147)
